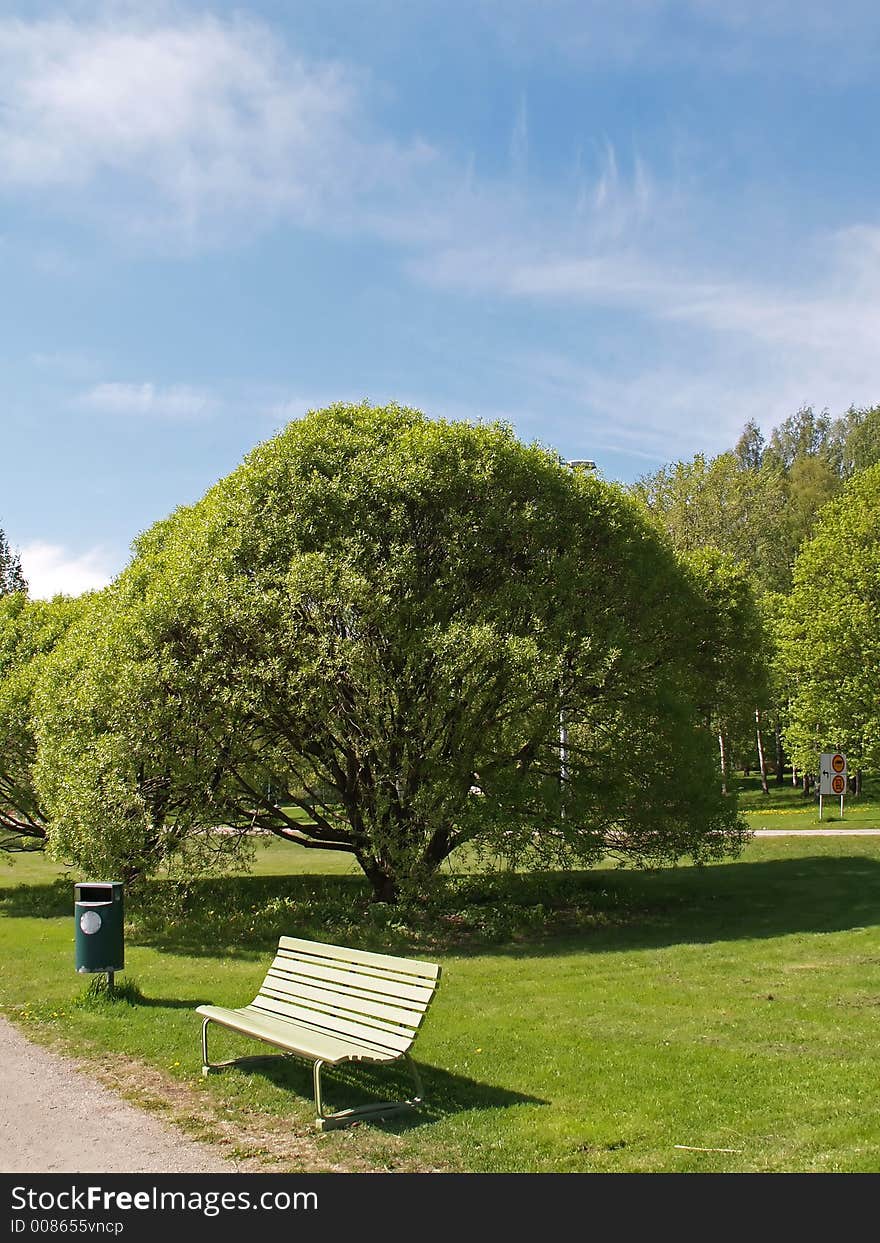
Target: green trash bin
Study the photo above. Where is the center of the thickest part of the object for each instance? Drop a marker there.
(100, 937)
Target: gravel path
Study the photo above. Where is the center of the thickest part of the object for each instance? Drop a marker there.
(55, 1119)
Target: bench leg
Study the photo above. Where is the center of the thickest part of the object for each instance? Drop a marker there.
(382, 1109)
(206, 1065)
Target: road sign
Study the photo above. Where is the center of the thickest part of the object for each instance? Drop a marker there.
(832, 773)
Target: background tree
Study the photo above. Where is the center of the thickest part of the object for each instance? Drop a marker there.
(860, 440)
(363, 639)
(721, 503)
(804, 434)
(749, 449)
(829, 632)
(729, 651)
(12, 578)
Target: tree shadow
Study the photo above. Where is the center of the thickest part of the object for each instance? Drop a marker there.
(734, 901)
(48, 900)
(509, 914)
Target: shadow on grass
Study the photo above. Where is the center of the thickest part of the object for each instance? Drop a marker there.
(175, 1003)
(126, 991)
(346, 1086)
(500, 913)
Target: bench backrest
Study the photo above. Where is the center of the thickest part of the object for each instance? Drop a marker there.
(373, 998)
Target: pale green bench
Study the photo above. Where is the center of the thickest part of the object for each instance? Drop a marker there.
(333, 1005)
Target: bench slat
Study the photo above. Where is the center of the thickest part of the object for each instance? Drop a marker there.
(384, 962)
(346, 999)
(329, 1012)
(329, 1024)
(288, 1036)
(381, 986)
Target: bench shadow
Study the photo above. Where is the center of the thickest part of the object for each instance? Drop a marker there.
(347, 1086)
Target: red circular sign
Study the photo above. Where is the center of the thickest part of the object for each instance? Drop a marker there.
(838, 785)
(838, 763)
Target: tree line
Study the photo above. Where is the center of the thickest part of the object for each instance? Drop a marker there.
(800, 514)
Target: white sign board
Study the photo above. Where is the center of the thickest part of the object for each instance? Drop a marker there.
(832, 773)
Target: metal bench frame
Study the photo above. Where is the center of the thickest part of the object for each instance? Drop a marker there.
(332, 1005)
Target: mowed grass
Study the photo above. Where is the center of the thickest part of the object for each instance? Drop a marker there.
(786, 808)
(607, 1021)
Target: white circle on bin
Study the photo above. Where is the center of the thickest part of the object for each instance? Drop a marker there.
(90, 921)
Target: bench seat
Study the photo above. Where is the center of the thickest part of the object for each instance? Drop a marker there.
(291, 1036)
(333, 1004)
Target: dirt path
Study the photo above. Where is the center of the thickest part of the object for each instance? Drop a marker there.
(55, 1119)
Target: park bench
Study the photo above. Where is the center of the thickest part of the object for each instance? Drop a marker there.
(333, 1005)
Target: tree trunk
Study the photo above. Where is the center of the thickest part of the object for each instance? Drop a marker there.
(761, 764)
(858, 781)
(794, 775)
(806, 785)
(780, 755)
(385, 889)
(385, 884)
(723, 751)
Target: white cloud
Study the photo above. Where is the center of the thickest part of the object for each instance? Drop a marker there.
(203, 120)
(174, 402)
(725, 346)
(52, 570)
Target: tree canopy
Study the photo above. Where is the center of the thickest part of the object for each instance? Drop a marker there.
(829, 631)
(366, 638)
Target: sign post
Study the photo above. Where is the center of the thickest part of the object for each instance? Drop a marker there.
(832, 777)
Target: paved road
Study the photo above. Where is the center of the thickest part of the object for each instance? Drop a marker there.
(55, 1119)
(816, 832)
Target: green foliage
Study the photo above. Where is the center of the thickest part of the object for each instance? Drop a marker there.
(378, 621)
(802, 435)
(829, 632)
(730, 648)
(726, 504)
(29, 630)
(12, 579)
(861, 440)
(124, 768)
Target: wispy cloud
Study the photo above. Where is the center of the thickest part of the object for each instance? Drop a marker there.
(52, 570)
(726, 345)
(148, 400)
(203, 120)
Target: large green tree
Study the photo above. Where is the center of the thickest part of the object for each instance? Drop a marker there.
(829, 632)
(366, 638)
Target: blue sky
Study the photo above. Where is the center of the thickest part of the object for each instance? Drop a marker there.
(624, 227)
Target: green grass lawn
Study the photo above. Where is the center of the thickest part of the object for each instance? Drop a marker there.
(618, 1021)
